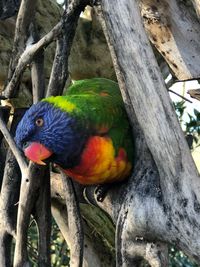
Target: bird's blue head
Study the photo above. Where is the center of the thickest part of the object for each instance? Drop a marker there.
(46, 131)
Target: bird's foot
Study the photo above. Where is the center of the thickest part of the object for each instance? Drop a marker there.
(101, 192)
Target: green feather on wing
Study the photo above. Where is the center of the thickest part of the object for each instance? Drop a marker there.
(97, 104)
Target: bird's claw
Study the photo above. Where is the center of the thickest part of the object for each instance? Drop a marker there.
(101, 192)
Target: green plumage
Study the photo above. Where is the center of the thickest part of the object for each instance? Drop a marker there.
(97, 104)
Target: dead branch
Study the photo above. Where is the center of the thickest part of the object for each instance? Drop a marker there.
(8, 201)
(42, 215)
(56, 85)
(28, 195)
(142, 86)
(184, 98)
(169, 35)
(27, 56)
(59, 72)
(195, 93)
(74, 223)
(96, 231)
(15, 150)
(24, 18)
(37, 69)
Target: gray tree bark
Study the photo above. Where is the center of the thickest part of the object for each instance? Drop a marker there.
(172, 29)
(171, 215)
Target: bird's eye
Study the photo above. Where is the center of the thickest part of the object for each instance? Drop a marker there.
(39, 122)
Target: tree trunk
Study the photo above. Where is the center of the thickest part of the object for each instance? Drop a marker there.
(172, 29)
(173, 216)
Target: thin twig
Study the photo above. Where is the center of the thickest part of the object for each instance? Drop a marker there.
(75, 8)
(15, 150)
(27, 56)
(59, 72)
(28, 195)
(186, 99)
(194, 93)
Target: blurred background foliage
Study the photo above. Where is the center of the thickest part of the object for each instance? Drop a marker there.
(59, 249)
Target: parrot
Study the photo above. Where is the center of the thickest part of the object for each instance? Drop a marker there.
(85, 132)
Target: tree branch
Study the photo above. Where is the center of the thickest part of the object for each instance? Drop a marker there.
(28, 54)
(24, 18)
(42, 214)
(15, 150)
(184, 98)
(74, 223)
(28, 195)
(195, 93)
(153, 204)
(98, 233)
(168, 35)
(37, 69)
(8, 200)
(59, 72)
(29, 186)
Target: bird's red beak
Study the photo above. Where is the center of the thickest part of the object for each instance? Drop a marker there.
(37, 152)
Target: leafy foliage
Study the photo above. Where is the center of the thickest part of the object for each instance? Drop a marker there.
(178, 259)
(59, 249)
(190, 127)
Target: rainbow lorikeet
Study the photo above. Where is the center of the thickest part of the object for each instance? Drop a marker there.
(86, 132)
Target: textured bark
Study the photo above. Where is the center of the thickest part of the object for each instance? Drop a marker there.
(195, 93)
(37, 69)
(8, 200)
(59, 73)
(25, 17)
(42, 215)
(172, 29)
(170, 212)
(74, 223)
(98, 229)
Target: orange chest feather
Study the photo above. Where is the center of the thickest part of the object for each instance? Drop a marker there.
(100, 164)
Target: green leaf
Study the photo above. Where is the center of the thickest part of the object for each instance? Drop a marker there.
(197, 114)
